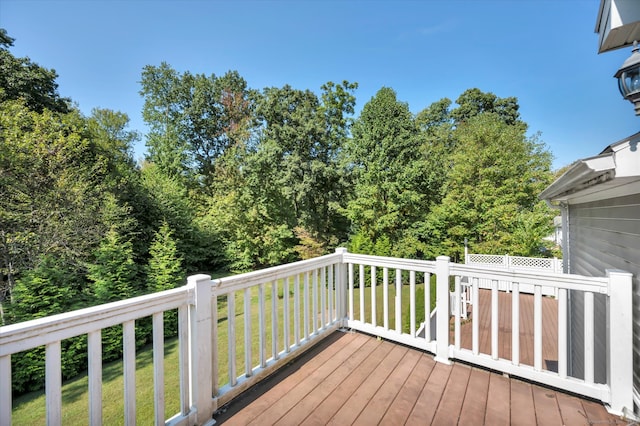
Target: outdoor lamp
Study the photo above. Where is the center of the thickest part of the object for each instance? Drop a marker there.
(629, 78)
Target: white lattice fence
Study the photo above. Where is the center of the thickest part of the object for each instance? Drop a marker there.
(486, 259)
(515, 263)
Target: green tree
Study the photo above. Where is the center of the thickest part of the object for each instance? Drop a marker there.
(165, 272)
(193, 119)
(50, 187)
(389, 172)
(22, 79)
(473, 102)
(491, 191)
(51, 287)
(114, 272)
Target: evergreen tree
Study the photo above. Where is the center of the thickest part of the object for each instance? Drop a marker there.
(114, 272)
(164, 270)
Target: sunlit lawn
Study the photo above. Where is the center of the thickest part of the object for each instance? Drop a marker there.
(29, 409)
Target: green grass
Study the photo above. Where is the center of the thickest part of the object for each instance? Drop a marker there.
(29, 409)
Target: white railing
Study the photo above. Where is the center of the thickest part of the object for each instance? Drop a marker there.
(298, 304)
(310, 307)
(515, 263)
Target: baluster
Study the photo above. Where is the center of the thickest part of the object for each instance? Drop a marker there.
(5, 390)
(374, 320)
(589, 353)
(330, 293)
(274, 319)
(412, 303)
(475, 319)
(262, 325)
(306, 305)
(247, 332)
(537, 327)
(361, 282)
(427, 306)
(494, 319)
(385, 297)
(129, 361)
(351, 302)
(285, 310)
(94, 343)
(184, 342)
(456, 312)
(215, 377)
(296, 310)
(515, 324)
(158, 367)
(314, 317)
(562, 332)
(231, 316)
(323, 297)
(53, 384)
(398, 310)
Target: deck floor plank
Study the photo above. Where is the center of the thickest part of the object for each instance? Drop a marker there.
(326, 386)
(356, 403)
(328, 408)
(498, 401)
(407, 396)
(549, 412)
(382, 399)
(522, 406)
(448, 411)
(264, 401)
(429, 399)
(475, 399)
(571, 409)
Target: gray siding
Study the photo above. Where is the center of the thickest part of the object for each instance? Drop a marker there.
(604, 234)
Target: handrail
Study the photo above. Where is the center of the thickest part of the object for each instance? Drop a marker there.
(27, 335)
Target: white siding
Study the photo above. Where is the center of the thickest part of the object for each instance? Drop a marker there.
(604, 234)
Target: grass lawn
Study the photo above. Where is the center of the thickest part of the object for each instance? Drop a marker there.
(29, 409)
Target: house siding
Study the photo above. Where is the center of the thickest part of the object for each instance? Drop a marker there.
(604, 234)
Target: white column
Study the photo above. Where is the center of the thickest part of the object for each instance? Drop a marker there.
(620, 342)
(442, 309)
(201, 347)
(341, 288)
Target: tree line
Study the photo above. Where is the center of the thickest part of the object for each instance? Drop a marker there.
(236, 179)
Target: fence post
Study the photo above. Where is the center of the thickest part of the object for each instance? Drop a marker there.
(442, 309)
(340, 282)
(200, 337)
(620, 342)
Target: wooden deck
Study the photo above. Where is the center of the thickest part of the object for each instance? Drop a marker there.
(352, 378)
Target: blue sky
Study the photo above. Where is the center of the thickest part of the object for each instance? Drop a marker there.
(542, 52)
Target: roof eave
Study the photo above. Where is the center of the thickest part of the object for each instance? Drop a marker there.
(583, 174)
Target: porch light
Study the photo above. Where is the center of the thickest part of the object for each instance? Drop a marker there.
(629, 78)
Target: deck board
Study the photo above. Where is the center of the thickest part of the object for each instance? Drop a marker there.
(353, 378)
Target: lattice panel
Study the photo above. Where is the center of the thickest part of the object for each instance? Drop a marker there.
(491, 259)
(531, 262)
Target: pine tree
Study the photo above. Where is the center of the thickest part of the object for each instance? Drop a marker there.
(114, 270)
(165, 271)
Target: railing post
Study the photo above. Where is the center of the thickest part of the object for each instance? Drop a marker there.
(442, 309)
(620, 342)
(340, 282)
(200, 337)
